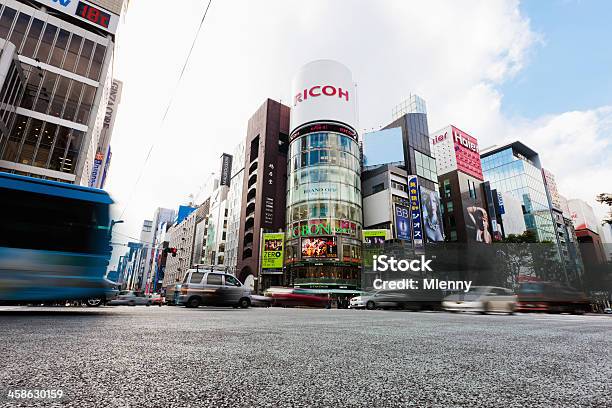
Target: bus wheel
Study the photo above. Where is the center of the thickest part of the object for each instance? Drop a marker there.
(93, 302)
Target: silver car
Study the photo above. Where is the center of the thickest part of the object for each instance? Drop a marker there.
(482, 299)
(131, 298)
(212, 288)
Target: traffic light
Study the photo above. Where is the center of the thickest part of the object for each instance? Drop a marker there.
(172, 251)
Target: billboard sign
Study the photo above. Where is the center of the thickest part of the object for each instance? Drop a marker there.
(432, 215)
(272, 251)
(84, 11)
(375, 236)
(320, 247)
(226, 169)
(323, 90)
(402, 222)
(467, 154)
(415, 211)
(95, 171)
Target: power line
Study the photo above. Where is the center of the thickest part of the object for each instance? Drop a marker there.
(171, 100)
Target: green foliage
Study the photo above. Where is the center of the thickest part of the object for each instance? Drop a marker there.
(606, 198)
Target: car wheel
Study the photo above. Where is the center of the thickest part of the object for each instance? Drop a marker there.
(148, 304)
(370, 305)
(131, 303)
(485, 308)
(93, 302)
(193, 302)
(244, 303)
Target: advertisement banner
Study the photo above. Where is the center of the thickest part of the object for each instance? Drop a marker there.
(415, 211)
(432, 215)
(226, 169)
(273, 250)
(95, 171)
(467, 154)
(321, 247)
(402, 222)
(375, 236)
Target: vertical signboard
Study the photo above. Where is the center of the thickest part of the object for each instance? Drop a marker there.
(415, 211)
(402, 222)
(226, 169)
(272, 251)
(95, 171)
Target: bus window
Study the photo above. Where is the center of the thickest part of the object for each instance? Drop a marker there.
(44, 222)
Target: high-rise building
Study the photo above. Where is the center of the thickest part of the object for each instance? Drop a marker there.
(262, 202)
(515, 168)
(324, 212)
(565, 234)
(470, 206)
(234, 201)
(411, 118)
(12, 86)
(65, 49)
(181, 235)
(587, 232)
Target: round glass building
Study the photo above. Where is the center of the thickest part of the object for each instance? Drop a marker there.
(324, 213)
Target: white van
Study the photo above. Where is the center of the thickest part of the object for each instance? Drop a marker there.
(213, 288)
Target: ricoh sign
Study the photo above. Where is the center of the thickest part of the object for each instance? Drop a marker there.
(323, 91)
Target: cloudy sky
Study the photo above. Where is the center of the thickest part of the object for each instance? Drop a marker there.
(535, 71)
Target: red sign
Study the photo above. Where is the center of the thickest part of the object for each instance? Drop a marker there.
(327, 90)
(467, 154)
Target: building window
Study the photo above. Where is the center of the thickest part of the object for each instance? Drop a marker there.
(447, 188)
(378, 188)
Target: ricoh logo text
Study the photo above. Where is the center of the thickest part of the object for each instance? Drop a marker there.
(318, 90)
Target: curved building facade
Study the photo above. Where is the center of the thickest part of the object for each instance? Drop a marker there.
(324, 211)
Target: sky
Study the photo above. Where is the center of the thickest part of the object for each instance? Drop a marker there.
(535, 71)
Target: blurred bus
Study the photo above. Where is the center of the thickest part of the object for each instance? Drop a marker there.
(54, 242)
(551, 297)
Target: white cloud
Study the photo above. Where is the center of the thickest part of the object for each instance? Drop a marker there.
(454, 54)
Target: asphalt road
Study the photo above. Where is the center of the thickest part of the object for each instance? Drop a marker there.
(168, 356)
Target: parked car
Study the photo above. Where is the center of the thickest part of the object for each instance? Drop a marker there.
(551, 297)
(608, 310)
(213, 288)
(407, 299)
(482, 299)
(131, 298)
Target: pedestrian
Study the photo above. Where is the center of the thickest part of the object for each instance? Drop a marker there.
(177, 288)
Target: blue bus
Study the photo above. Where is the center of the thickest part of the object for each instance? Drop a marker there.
(54, 242)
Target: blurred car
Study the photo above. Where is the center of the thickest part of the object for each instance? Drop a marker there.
(261, 301)
(551, 297)
(482, 299)
(375, 300)
(608, 310)
(407, 299)
(212, 288)
(290, 299)
(131, 298)
(156, 299)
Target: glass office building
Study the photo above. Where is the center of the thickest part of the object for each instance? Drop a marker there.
(516, 169)
(324, 215)
(66, 63)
